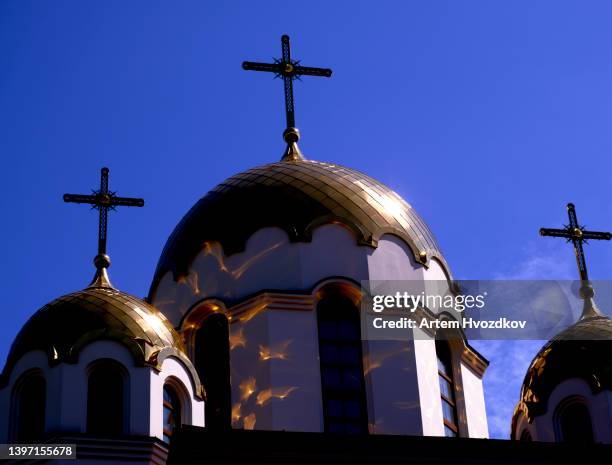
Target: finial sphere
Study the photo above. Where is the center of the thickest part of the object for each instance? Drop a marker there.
(102, 261)
(291, 135)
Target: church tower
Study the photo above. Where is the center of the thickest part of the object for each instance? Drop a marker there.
(252, 322)
(567, 392)
(262, 277)
(99, 368)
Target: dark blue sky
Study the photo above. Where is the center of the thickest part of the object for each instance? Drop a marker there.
(486, 116)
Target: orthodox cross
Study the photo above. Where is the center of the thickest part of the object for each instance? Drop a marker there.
(103, 200)
(289, 70)
(576, 234)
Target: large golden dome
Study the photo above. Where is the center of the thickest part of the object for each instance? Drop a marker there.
(296, 195)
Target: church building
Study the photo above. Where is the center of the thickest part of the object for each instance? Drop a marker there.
(251, 331)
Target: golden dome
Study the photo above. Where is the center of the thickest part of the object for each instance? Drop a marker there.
(64, 326)
(581, 351)
(297, 196)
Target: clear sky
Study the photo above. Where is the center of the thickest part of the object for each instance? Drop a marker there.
(488, 117)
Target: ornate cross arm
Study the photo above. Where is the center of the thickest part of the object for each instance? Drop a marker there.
(126, 202)
(79, 198)
(604, 236)
(555, 232)
(289, 70)
(308, 71)
(269, 67)
(577, 235)
(281, 69)
(103, 200)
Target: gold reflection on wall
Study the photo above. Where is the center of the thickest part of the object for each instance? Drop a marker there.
(252, 312)
(164, 302)
(238, 272)
(377, 359)
(376, 428)
(249, 421)
(276, 352)
(406, 405)
(247, 388)
(214, 250)
(237, 339)
(236, 412)
(191, 280)
(275, 393)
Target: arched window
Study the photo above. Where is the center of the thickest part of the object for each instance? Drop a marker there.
(526, 436)
(447, 389)
(30, 399)
(212, 364)
(340, 355)
(172, 411)
(107, 394)
(573, 422)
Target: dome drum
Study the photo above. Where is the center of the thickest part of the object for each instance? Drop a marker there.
(297, 197)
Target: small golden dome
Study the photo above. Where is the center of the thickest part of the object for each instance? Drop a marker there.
(64, 326)
(296, 195)
(581, 351)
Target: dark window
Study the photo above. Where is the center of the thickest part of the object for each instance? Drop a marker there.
(106, 399)
(574, 423)
(342, 383)
(447, 389)
(212, 364)
(172, 412)
(30, 405)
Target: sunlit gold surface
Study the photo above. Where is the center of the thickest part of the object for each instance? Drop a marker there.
(581, 351)
(277, 352)
(236, 412)
(296, 196)
(249, 421)
(237, 339)
(65, 325)
(281, 393)
(247, 388)
(377, 359)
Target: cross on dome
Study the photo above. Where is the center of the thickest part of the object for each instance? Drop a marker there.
(578, 235)
(288, 69)
(103, 200)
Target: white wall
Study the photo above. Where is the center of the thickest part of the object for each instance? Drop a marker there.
(543, 428)
(401, 376)
(269, 261)
(429, 385)
(474, 403)
(192, 412)
(31, 360)
(66, 405)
